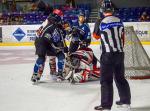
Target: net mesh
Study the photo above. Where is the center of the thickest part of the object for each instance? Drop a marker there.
(137, 62)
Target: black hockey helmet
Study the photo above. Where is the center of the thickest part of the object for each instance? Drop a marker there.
(53, 18)
(107, 7)
(108, 10)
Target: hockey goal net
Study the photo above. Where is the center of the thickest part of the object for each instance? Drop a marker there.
(137, 62)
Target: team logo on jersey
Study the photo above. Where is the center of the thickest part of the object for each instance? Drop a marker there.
(56, 36)
(19, 34)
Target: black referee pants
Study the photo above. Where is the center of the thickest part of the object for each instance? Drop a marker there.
(112, 66)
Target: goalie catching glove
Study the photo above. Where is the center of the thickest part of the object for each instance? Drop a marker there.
(77, 77)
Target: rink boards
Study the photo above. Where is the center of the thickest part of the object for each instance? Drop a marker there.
(32, 43)
(24, 35)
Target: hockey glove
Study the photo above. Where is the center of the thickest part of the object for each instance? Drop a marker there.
(66, 49)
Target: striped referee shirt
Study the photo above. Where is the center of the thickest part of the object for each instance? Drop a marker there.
(111, 31)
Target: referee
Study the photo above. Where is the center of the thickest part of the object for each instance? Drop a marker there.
(110, 31)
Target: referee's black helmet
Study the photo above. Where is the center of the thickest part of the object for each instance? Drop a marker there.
(108, 10)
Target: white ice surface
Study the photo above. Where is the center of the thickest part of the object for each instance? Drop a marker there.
(18, 94)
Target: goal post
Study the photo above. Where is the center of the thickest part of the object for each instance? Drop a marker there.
(137, 62)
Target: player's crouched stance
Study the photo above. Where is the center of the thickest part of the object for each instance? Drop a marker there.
(79, 66)
(50, 42)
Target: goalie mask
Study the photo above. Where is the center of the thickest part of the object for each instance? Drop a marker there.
(77, 77)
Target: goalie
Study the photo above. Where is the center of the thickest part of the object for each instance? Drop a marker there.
(79, 67)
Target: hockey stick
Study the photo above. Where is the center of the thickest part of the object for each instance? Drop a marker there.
(97, 59)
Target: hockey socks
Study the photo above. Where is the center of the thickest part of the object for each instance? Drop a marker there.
(52, 64)
(38, 69)
(60, 64)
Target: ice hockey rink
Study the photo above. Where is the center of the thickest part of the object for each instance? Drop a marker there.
(18, 94)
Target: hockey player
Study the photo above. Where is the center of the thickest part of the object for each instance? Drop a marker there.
(111, 33)
(50, 41)
(79, 67)
(81, 39)
(81, 35)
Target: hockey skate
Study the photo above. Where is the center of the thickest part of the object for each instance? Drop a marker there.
(100, 108)
(53, 76)
(35, 78)
(59, 76)
(122, 106)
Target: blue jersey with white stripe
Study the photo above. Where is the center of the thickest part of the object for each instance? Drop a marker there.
(87, 34)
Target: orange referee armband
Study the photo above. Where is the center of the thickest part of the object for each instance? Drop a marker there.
(96, 36)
